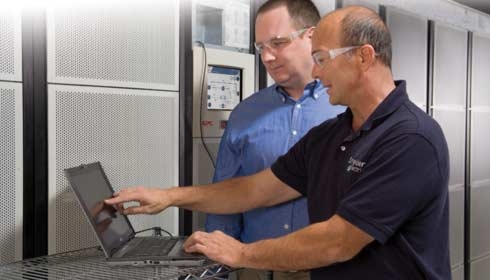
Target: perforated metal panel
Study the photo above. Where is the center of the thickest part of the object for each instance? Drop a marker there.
(134, 44)
(10, 44)
(133, 133)
(10, 172)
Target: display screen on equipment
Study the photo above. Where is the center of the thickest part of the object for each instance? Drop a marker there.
(224, 87)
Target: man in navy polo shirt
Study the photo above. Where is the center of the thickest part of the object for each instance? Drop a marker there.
(375, 178)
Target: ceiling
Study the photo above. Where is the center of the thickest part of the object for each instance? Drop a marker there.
(482, 5)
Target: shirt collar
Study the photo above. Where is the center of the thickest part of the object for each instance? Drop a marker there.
(313, 89)
(391, 103)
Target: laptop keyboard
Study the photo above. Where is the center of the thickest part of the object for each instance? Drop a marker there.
(153, 247)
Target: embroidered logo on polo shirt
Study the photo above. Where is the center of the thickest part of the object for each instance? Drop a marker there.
(355, 165)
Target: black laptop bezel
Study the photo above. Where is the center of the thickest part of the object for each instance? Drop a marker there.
(109, 249)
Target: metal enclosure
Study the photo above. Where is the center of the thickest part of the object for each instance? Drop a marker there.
(409, 36)
(11, 187)
(208, 124)
(112, 97)
(11, 136)
(480, 153)
(449, 109)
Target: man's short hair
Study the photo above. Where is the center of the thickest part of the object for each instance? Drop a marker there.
(303, 13)
(367, 28)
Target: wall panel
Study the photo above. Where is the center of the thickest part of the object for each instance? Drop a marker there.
(11, 187)
(131, 132)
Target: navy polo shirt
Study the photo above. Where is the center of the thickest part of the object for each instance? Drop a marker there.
(389, 178)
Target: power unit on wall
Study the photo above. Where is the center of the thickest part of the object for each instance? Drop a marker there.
(112, 97)
(221, 80)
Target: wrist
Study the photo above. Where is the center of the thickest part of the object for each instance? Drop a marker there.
(247, 256)
(171, 195)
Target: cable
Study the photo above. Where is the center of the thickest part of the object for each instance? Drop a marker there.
(158, 231)
(201, 103)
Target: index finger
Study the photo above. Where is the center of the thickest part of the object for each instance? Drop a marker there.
(113, 200)
(195, 238)
(120, 197)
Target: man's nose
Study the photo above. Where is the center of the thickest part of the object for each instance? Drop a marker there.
(267, 55)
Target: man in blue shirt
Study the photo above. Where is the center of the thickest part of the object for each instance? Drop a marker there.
(268, 123)
(376, 177)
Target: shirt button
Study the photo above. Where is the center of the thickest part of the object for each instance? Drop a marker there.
(294, 132)
(298, 106)
(316, 95)
(283, 99)
(286, 226)
(342, 148)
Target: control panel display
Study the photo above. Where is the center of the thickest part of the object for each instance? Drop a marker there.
(224, 87)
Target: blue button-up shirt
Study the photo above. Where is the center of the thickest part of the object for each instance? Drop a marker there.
(260, 129)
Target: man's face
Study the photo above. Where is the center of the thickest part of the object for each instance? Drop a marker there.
(288, 64)
(339, 74)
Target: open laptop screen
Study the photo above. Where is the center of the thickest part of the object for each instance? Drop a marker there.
(92, 187)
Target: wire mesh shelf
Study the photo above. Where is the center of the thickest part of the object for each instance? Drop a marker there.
(90, 264)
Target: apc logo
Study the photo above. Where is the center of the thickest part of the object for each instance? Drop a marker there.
(207, 123)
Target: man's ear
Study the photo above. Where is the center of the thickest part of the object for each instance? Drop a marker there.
(310, 31)
(367, 56)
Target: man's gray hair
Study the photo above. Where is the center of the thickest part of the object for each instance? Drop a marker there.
(358, 29)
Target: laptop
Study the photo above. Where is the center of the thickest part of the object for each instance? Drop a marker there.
(114, 231)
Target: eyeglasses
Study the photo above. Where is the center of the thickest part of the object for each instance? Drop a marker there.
(322, 57)
(278, 41)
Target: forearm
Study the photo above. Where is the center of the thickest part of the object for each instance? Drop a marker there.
(234, 195)
(226, 197)
(317, 245)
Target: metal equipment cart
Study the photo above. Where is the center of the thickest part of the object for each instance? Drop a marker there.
(90, 264)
